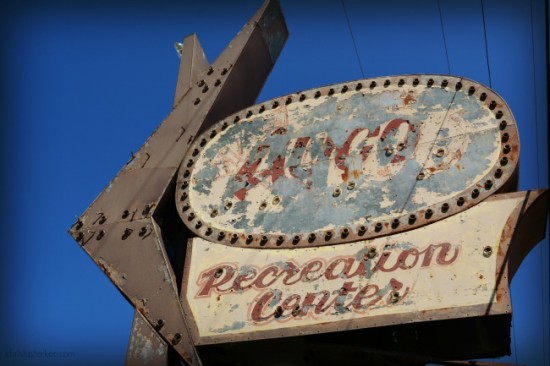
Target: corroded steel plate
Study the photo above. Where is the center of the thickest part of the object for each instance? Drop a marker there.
(347, 162)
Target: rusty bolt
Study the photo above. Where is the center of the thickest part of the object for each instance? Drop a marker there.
(197, 101)
(387, 83)
(79, 236)
(224, 71)
(296, 239)
(344, 88)
(460, 201)
(288, 100)
(201, 83)
(416, 82)
(126, 233)
(221, 235)
(458, 86)
(498, 173)
(445, 207)
(330, 91)
(430, 82)
(228, 205)
(234, 237)
(472, 90)
(78, 225)
(482, 97)
(336, 192)
(264, 240)
(125, 214)
(359, 86)
(142, 231)
(372, 84)
(275, 104)
(488, 184)
(351, 185)
(506, 149)
(362, 230)
(420, 176)
(317, 94)
(378, 227)
(208, 231)
(371, 253)
(505, 137)
(504, 161)
(176, 339)
(502, 125)
(191, 216)
(475, 193)
(100, 234)
(487, 251)
(249, 239)
(302, 97)
(311, 237)
(218, 82)
(401, 82)
(262, 109)
(276, 200)
(160, 324)
(429, 213)
(395, 223)
(412, 219)
(444, 83)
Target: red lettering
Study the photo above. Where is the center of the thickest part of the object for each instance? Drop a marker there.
(214, 278)
(272, 271)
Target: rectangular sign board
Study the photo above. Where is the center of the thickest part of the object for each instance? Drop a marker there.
(449, 269)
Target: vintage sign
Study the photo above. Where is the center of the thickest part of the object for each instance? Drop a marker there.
(348, 162)
(453, 268)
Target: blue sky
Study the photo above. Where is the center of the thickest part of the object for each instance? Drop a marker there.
(84, 84)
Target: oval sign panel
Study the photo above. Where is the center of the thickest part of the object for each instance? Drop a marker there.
(347, 162)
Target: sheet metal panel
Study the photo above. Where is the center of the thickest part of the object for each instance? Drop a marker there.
(348, 162)
(454, 268)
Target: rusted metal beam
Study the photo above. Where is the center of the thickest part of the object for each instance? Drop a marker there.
(122, 230)
(146, 347)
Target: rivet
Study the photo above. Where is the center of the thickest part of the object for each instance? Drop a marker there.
(345, 232)
(499, 115)
(330, 91)
(146, 210)
(186, 174)
(492, 105)
(344, 88)
(275, 104)
(296, 239)
(195, 152)
(302, 97)
(460, 201)
(506, 149)
(504, 161)
(372, 84)
(280, 240)
(100, 234)
(430, 82)
(102, 219)
(234, 237)
(401, 82)
(198, 224)
(208, 231)
(210, 71)
(126, 233)
(201, 83)
(395, 297)
(264, 240)
(378, 227)
(288, 100)
(387, 83)
(351, 185)
(328, 235)
(471, 90)
(445, 207)
(412, 219)
(79, 236)
(263, 206)
(371, 252)
(395, 223)
(440, 152)
(221, 235)
(429, 213)
(336, 192)
(458, 86)
(185, 207)
(143, 230)
(262, 109)
(420, 176)
(184, 184)
(416, 82)
(249, 239)
(236, 119)
(276, 200)
(444, 83)
(224, 71)
(160, 324)
(205, 89)
(218, 82)
(296, 310)
(197, 101)
(488, 184)
(475, 193)
(224, 126)
(498, 173)
(311, 237)
(317, 94)
(79, 223)
(505, 137)
(191, 216)
(278, 312)
(503, 125)
(213, 133)
(359, 86)
(482, 97)
(176, 339)
(190, 163)
(362, 230)
(487, 251)
(228, 205)
(203, 142)
(214, 213)
(248, 114)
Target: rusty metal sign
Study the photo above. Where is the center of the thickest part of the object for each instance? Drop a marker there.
(348, 162)
(453, 268)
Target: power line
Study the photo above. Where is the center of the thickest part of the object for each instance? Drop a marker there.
(486, 44)
(353, 39)
(444, 38)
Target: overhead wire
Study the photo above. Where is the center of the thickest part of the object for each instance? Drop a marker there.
(353, 39)
(444, 37)
(486, 44)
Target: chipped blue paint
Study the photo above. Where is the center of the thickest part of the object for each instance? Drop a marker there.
(226, 328)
